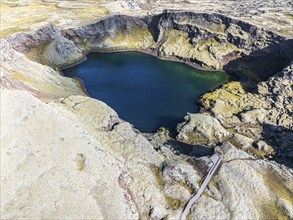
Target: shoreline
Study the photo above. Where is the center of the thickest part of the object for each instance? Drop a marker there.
(144, 51)
(81, 83)
(154, 54)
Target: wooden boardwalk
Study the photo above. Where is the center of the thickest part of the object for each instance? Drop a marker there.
(216, 159)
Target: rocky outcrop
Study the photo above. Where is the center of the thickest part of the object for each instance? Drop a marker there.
(259, 121)
(52, 48)
(201, 127)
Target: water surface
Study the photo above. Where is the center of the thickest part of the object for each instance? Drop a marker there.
(147, 92)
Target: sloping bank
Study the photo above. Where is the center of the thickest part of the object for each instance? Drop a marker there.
(65, 155)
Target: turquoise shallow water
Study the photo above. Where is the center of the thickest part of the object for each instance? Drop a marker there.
(148, 92)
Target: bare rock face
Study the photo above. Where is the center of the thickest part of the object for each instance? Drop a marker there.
(242, 141)
(55, 50)
(26, 41)
(201, 129)
(61, 52)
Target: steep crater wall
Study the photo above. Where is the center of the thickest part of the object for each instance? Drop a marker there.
(211, 41)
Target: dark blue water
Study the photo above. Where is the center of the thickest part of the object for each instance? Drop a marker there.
(148, 92)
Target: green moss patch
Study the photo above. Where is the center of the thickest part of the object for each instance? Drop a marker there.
(156, 172)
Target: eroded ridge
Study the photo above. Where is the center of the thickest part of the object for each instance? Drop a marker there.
(201, 39)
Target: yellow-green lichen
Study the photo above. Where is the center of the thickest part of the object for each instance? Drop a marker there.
(184, 185)
(226, 100)
(279, 186)
(137, 38)
(80, 162)
(214, 184)
(188, 217)
(35, 54)
(209, 196)
(174, 203)
(197, 138)
(271, 211)
(156, 172)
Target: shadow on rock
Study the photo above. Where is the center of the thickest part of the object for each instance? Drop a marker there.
(190, 150)
(263, 63)
(281, 139)
(153, 27)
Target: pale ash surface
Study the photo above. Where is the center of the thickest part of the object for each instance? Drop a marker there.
(25, 15)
